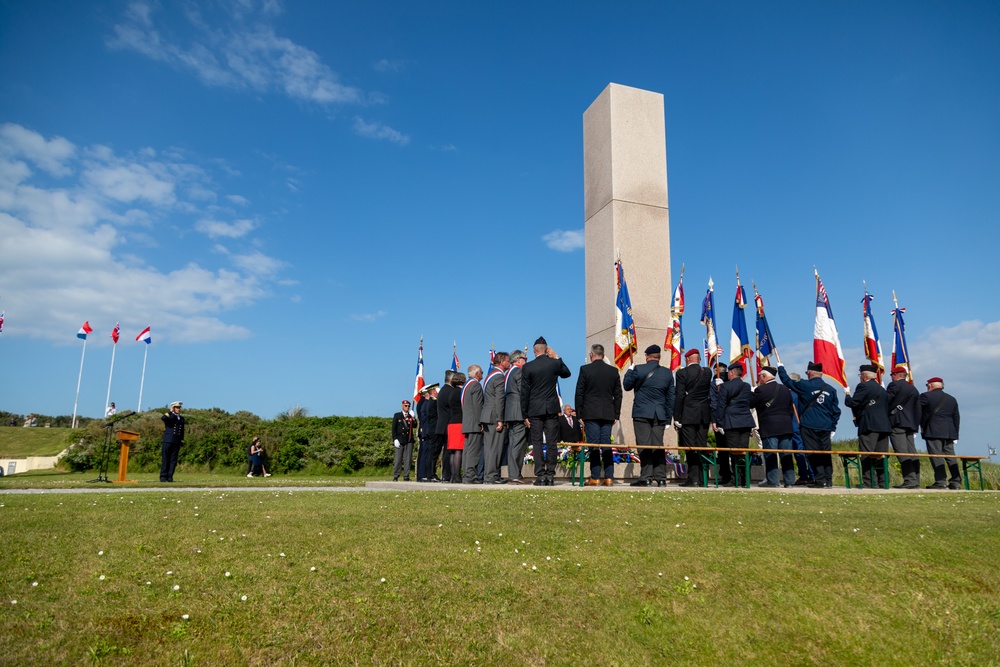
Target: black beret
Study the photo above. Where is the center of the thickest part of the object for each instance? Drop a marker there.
(870, 368)
(815, 366)
(653, 349)
(540, 341)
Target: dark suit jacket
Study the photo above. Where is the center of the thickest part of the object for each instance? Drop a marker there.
(870, 405)
(538, 386)
(904, 405)
(938, 415)
(691, 402)
(598, 391)
(472, 406)
(444, 406)
(512, 397)
(173, 431)
(402, 431)
(734, 405)
(773, 403)
(569, 433)
(427, 413)
(654, 391)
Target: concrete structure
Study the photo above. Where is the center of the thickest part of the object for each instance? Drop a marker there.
(13, 465)
(625, 210)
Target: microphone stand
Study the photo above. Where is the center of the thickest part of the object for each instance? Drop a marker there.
(105, 457)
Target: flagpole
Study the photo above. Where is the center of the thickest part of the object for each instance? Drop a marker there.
(142, 381)
(78, 378)
(107, 401)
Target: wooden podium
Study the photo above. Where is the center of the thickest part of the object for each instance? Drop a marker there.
(124, 437)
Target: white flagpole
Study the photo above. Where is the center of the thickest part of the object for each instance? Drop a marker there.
(78, 378)
(107, 401)
(143, 380)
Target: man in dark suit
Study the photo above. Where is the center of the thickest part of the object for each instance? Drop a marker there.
(870, 405)
(599, 405)
(904, 416)
(472, 426)
(939, 420)
(540, 404)
(733, 419)
(514, 419)
(775, 421)
(720, 376)
(692, 413)
(493, 417)
(441, 428)
(652, 409)
(173, 438)
(570, 427)
(403, 435)
(430, 446)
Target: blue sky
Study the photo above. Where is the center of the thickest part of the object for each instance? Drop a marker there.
(292, 194)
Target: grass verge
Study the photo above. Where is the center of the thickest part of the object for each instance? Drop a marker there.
(472, 577)
(19, 442)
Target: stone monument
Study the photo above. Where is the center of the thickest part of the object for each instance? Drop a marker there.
(626, 212)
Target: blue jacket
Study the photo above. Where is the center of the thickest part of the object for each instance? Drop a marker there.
(733, 407)
(654, 391)
(819, 407)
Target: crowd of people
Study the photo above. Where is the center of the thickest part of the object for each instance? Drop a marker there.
(472, 425)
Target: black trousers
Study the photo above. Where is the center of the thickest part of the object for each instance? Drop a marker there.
(694, 435)
(822, 464)
(545, 465)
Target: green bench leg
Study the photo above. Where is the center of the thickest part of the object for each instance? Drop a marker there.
(709, 459)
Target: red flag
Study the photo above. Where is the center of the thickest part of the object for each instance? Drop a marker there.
(114, 333)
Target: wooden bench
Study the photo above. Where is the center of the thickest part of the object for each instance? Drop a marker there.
(709, 457)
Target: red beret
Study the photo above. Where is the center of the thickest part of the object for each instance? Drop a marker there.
(691, 351)
(935, 380)
(899, 369)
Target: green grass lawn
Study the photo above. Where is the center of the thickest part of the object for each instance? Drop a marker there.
(499, 578)
(18, 442)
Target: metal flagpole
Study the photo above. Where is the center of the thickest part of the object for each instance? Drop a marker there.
(107, 400)
(143, 380)
(78, 378)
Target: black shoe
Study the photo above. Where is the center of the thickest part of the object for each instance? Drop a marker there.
(539, 482)
(937, 485)
(768, 485)
(639, 482)
(688, 483)
(476, 481)
(803, 482)
(820, 485)
(955, 487)
(661, 482)
(550, 482)
(395, 479)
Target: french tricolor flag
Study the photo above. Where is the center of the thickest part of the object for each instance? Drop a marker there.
(826, 341)
(144, 337)
(84, 330)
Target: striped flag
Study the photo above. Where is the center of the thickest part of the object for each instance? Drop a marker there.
(115, 333)
(765, 342)
(739, 338)
(84, 330)
(418, 383)
(493, 353)
(712, 349)
(455, 365)
(873, 347)
(673, 344)
(626, 344)
(826, 341)
(144, 336)
(900, 353)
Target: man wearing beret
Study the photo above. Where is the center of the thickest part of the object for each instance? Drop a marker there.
(599, 405)
(775, 417)
(819, 412)
(904, 415)
(173, 438)
(724, 459)
(652, 409)
(692, 412)
(733, 419)
(870, 405)
(540, 404)
(939, 428)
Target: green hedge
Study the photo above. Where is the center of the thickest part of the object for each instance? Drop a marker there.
(215, 438)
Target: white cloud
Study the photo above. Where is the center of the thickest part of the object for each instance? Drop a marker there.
(386, 66)
(377, 130)
(233, 230)
(564, 240)
(235, 49)
(238, 200)
(369, 317)
(64, 248)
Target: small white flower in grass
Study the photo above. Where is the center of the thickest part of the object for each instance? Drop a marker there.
(13, 601)
(533, 568)
(499, 534)
(687, 579)
(169, 572)
(100, 553)
(312, 569)
(196, 514)
(524, 565)
(740, 522)
(244, 598)
(578, 565)
(101, 578)
(516, 551)
(440, 525)
(548, 558)
(228, 574)
(34, 583)
(282, 554)
(477, 541)
(677, 526)
(855, 530)
(184, 617)
(177, 587)
(383, 580)
(149, 583)
(659, 574)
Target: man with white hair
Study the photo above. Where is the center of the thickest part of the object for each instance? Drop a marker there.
(870, 405)
(775, 417)
(517, 438)
(939, 421)
(472, 427)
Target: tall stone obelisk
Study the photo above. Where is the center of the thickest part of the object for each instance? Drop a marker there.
(625, 211)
